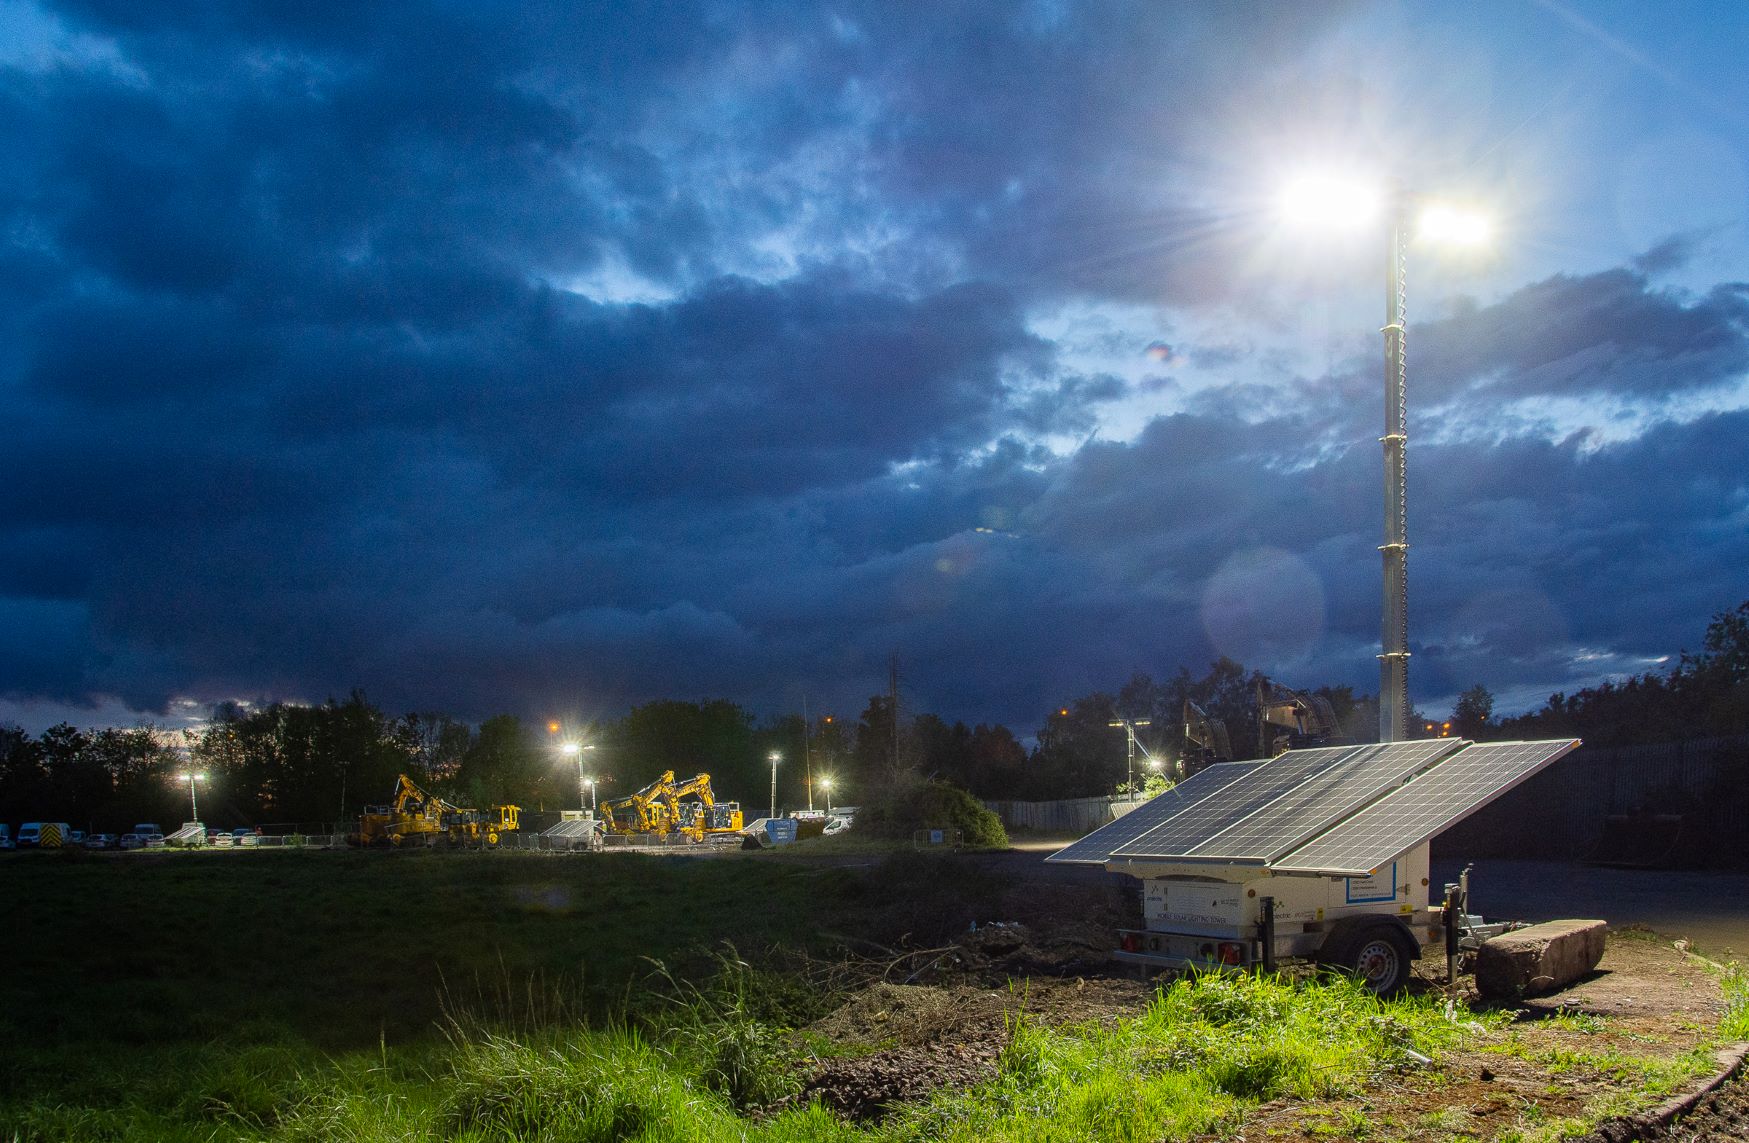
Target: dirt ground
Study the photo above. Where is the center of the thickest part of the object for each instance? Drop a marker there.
(941, 1016)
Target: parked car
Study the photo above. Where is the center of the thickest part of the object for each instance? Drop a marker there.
(75, 837)
(246, 836)
(100, 841)
(217, 837)
(5, 837)
(132, 841)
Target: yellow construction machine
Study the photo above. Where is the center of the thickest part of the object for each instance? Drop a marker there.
(664, 807)
(646, 811)
(415, 817)
(705, 817)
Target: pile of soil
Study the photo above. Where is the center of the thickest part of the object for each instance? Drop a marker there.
(1722, 1117)
(903, 1041)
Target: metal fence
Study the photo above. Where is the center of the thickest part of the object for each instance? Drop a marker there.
(1070, 816)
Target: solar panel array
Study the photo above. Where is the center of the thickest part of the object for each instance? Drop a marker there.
(1322, 800)
(1096, 848)
(1178, 836)
(1424, 807)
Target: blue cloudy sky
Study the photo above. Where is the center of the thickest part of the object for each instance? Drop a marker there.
(559, 356)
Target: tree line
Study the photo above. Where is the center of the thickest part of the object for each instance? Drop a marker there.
(304, 765)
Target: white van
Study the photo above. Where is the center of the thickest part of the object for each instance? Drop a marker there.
(44, 835)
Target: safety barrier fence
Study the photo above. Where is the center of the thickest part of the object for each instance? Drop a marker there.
(1070, 816)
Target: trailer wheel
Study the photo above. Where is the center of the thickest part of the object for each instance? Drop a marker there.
(1379, 956)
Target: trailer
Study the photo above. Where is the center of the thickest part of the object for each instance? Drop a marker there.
(1316, 855)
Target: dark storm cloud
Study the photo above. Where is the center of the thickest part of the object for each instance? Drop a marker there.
(634, 351)
(1611, 332)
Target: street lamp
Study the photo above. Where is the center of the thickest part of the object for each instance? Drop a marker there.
(1129, 728)
(191, 779)
(1349, 203)
(826, 788)
(575, 750)
(775, 759)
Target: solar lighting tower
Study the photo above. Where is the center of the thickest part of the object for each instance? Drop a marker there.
(1324, 199)
(1394, 616)
(775, 759)
(191, 779)
(1129, 728)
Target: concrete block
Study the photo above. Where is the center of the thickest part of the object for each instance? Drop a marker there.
(1541, 959)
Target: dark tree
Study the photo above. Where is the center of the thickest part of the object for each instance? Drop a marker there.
(1473, 716)
(1079, 754)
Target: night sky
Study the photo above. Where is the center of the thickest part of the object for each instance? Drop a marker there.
(556, 361)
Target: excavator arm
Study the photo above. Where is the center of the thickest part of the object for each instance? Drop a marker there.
(1307, 719)
(1205, 740)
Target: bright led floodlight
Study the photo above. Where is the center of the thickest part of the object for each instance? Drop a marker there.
(1453, 226)
(1327, 201)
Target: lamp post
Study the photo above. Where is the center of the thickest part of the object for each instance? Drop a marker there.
(1324, 200)
(193, 807)
(826, 788)
(1129, 728)
(775, 759)
(575, 750)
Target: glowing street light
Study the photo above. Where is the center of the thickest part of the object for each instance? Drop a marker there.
(1129, 728)
(775, 759)
(575, 750)
(826, 788)
(1335, 203)
(1331, 202)
(191, 779)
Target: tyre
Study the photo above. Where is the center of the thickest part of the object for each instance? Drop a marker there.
(1381, 957)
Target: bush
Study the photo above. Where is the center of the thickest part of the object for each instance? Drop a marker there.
(932, 805)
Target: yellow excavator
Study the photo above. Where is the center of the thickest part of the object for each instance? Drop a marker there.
(704, 817)
(646, 811)
(416, 817)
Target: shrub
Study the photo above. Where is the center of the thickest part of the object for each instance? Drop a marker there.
(932, 805)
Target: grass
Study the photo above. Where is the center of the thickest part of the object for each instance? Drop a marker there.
(1734, 1025)
(375, 997)
(1200, 1053)
(346, 948)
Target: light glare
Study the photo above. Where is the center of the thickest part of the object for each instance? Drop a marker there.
(1454, 226)
(1329, 201)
